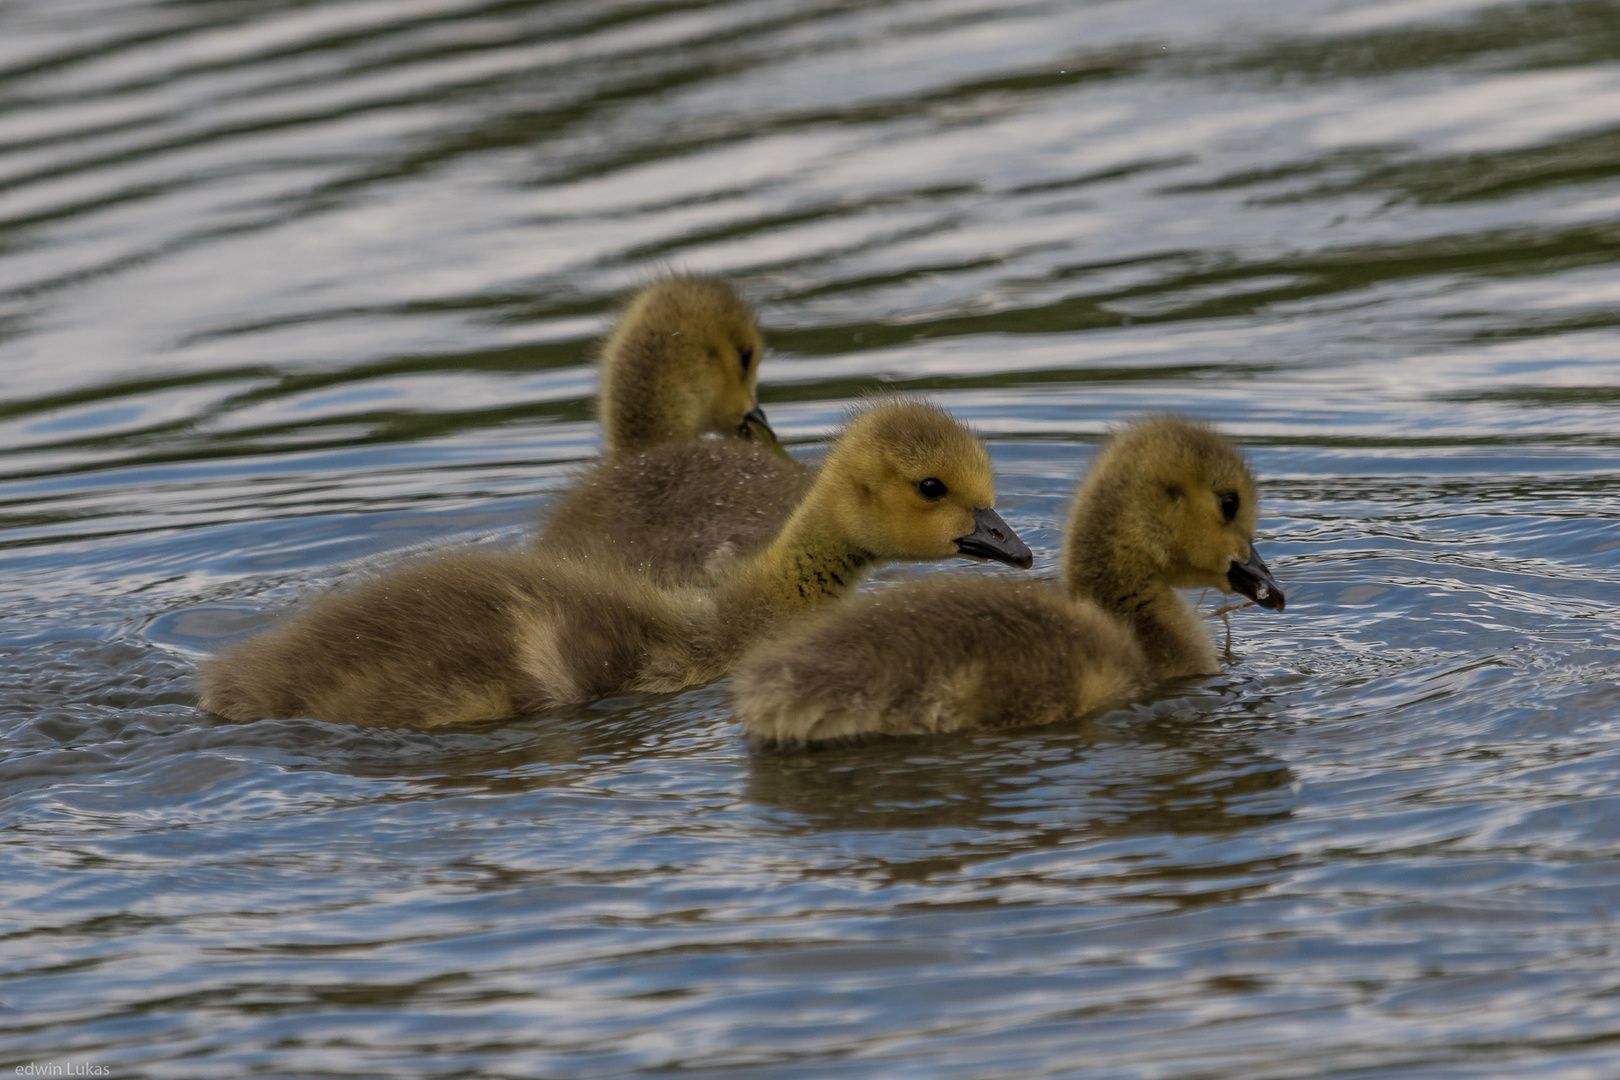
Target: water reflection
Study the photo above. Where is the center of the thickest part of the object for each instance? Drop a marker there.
(1155, 768)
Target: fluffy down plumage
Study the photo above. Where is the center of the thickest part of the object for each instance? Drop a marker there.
(1168, 504)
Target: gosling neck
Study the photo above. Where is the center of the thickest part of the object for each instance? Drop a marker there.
(631, 415)
(640, 403)
(619, 437)
(812, 560)
(1104, 568)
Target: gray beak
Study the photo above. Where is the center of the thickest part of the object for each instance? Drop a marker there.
(1252, 577)
(992, 538)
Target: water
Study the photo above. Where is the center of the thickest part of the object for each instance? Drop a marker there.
(289, 287)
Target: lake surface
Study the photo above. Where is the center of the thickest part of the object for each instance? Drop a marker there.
(289, 288)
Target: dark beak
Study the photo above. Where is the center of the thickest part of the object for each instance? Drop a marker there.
(755, 425)
(991, 538)
(1252, 577)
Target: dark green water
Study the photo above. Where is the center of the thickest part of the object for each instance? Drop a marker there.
(285, 287)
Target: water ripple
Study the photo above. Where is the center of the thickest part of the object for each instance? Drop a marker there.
(290, 289)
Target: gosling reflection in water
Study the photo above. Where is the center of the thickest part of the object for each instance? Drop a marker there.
(1155, 773)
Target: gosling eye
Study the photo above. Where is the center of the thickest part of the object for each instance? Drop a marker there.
(745, 356)
(1229, 505)
(931, 488)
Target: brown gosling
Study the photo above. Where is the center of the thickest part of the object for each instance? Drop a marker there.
(471, 636)
(668, 497)
(1168, 504)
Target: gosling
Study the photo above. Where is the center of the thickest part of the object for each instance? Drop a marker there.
(692, 475)
(470, 636)
(1168, 504)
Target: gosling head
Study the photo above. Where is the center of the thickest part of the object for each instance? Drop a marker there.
(909, 482)
(1175, 498)
(681, 364)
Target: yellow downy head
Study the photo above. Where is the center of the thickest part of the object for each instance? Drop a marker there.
(1178, 505)
(907, 481)
(681, 364)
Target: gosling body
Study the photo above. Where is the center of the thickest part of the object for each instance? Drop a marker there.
(1168, 504)
(458, 638)
(936, 656)
(474, 636)
(681, 513)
